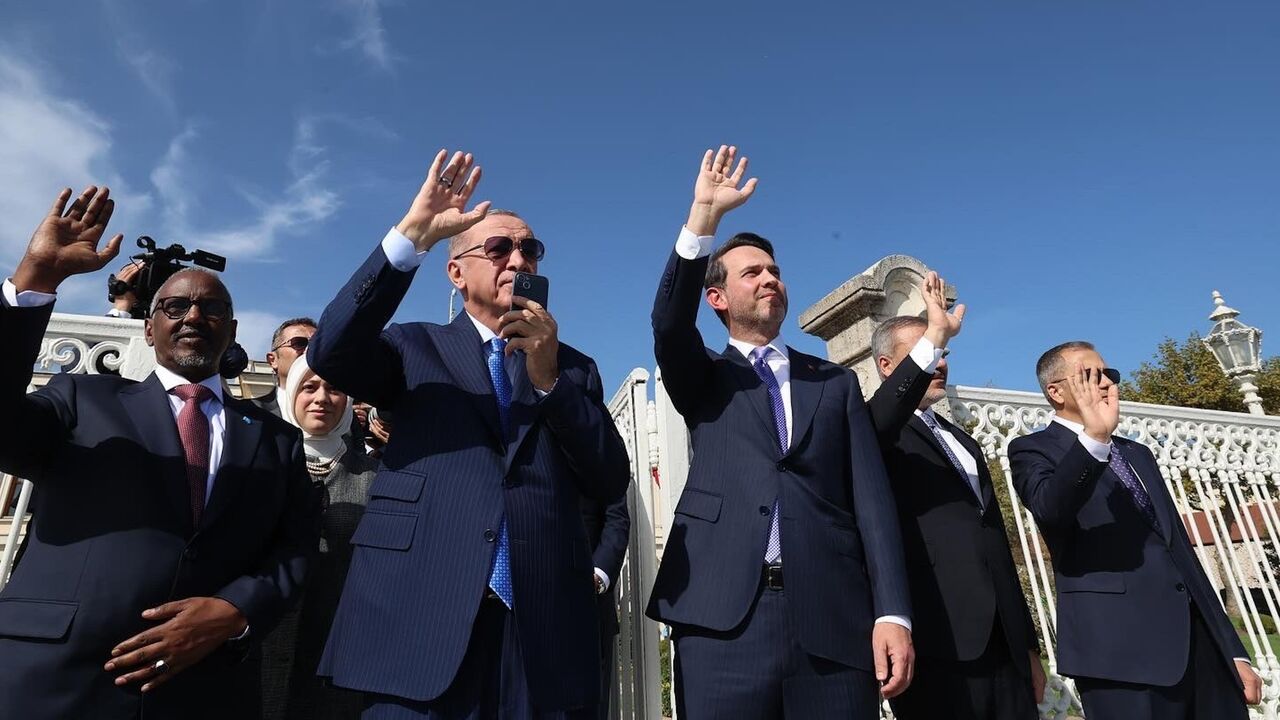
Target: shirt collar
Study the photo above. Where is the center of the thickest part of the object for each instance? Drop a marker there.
(1071, 425)
(171, 380)
(927, 411)
(746, 348)
(485, 333)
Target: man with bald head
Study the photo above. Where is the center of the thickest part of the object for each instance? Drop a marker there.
(172, 523)
(471, 592)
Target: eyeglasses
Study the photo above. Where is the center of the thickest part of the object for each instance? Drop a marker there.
(1111, 374)
(176, 308)
(499, 247)
(297, 343)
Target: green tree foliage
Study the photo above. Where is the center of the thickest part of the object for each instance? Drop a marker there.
(1187, 375)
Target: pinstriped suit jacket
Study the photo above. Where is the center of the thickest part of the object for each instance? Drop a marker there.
(425, 546)
(841, 544)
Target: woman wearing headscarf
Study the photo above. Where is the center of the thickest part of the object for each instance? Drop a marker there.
(335, 460)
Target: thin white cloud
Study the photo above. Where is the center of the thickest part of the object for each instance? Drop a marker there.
(368, 34)
(47, 142)
(154, 69)
(305, 201)
(254, 328)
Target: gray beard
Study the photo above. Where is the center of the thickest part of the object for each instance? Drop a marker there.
(194, 361)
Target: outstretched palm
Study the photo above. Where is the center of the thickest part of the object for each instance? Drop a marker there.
(440, 209)
(717, 185)
(935, 300)
(66, 243)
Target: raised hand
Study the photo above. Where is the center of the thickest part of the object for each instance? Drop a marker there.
(1099, 407)
(943, 325)
(716, 191)
(66, 243)
(440, 209)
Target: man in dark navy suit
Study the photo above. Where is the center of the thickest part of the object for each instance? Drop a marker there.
(470, 593)
(608, 528)
(1140, 627)
(782, 575)
(976, 651)
(172, 523)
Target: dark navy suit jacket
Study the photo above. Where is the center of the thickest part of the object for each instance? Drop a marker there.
(424, 548)
(1123, 589)
(608, 527)
(112, 535)
(841, 547)
(958, 560)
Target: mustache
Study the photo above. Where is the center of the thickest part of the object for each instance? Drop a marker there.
(190, 331)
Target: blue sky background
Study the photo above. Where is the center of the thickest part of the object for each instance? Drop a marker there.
(1085, 169)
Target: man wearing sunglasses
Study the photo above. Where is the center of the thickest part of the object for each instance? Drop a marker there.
(976, 649)
(1140, 627)
(172, 523)
(471, 592)
(288, 343)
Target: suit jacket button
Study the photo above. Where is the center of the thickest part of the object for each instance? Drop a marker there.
(764, 510)
(490, 536)
(1180, 587)
(190, 553)
(782, 466)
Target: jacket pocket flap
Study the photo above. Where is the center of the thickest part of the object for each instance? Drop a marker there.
(398, 485)
(699, 504)
(42, 619)
(393, 531)
(1101, 582)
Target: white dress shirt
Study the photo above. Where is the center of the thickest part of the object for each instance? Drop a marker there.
(692, 247)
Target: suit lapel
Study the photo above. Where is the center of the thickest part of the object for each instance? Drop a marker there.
(1149, 474)
(147, 406)
(239, 445)
(463, 354)
(753, 387)
(921, 429)
(524, 408)
(806, 393)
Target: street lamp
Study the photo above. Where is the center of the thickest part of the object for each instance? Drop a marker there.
(1237, 348)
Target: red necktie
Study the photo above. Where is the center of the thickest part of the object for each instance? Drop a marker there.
(193, 430)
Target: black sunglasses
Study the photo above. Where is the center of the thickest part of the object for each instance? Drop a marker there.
(499, 247)
(1111, 374)
(297, 343)
(176, 308)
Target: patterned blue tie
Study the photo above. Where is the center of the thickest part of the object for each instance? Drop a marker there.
(773, 551)
(500, 575)
(1121, 468)
(932, 422)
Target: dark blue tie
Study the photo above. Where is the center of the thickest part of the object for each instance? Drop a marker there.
(1129, 479)
(932, 422)
(500, 575)
(772, 551)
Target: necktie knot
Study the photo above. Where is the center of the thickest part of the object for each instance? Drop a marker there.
(761, 354)
(929, 419)
(192, 391)
(496, 345)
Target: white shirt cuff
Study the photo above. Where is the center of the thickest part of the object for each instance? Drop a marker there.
(604, 578)
(26, 298)
(1100, 451)
(401, 252)
(896, 620)
(926, 355)
(692, 247)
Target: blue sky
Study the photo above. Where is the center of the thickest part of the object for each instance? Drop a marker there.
(1081, 169)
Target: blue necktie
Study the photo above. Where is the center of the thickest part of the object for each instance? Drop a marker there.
(500, 575)
(1121, 468)
(772, 551)
(932, 422)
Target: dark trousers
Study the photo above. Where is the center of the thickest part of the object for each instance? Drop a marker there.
(1209, 690)
(490, 684)
(991, 687)
(608, 665)
(758, 671)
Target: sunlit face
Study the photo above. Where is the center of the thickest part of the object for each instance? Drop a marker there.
(319, 405)
(485, 283)
(282, 357)
(192, 345)
(905, 339)
(754, 296)
(1058, 391)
